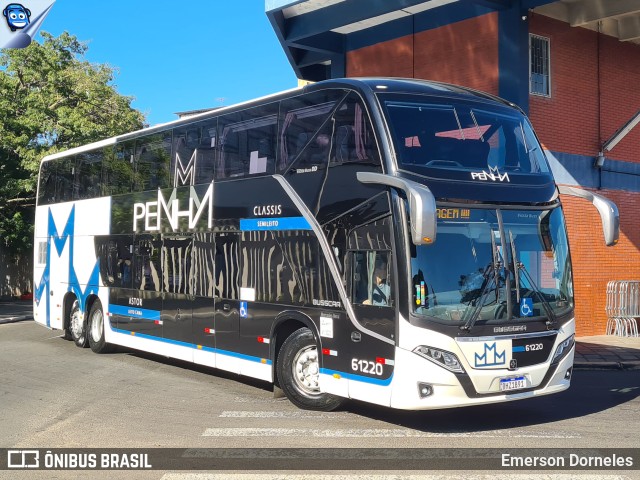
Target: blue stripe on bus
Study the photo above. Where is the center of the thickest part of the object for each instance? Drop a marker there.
(134, 312)
(280, 223)
(518, 349)
(358, 378)
(242, 356)
(193, 346)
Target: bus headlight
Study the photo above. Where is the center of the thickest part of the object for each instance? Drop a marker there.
(440, 357)
(563, 348)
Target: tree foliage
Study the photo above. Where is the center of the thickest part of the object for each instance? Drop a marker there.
(51, 99)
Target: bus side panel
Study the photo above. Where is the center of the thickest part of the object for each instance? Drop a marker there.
(334, 328)
(64, 239)
(370, 366)
(353, 363)
(41, 270)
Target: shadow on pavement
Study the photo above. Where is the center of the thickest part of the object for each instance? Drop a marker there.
(590, 392)
(597, 352)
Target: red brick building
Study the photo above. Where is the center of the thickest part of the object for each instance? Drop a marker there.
(572, 65)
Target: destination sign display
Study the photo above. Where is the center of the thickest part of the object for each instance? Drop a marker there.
(453, 213)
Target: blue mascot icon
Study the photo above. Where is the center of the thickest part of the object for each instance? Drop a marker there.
(17, 16)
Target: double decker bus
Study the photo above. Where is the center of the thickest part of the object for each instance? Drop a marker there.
(399, 242)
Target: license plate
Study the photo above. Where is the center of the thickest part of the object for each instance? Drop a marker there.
(508, 384)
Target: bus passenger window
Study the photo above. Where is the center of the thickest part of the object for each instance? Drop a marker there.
(64, 176)
(354, 139)
(114, 254)
(177, 264)
(47, 187)
(206, 152)
(227, 266)
(153, 158)
(315, 151)
(118, 168)
(371, 283)
(203, 265)
(307, 129)
(193, 154)
(247, 142)
(147, 265)
(88, 178)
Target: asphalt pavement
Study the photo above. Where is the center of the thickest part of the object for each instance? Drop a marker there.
(592, 353)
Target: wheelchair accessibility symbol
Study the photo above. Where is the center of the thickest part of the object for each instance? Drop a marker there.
(526, 307)
(243, 310)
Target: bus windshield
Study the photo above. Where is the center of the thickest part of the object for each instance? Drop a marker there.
(440, 139)
(479, 252)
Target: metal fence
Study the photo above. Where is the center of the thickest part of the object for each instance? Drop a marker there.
(623, 308)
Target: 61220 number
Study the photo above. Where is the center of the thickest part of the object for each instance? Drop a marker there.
(366, 366)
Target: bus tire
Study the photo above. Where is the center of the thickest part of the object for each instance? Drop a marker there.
(298, 373)
(95, 329)
(66, 333)
(78, 326)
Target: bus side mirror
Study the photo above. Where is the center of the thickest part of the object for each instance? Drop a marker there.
(422, 204)
(607, 209)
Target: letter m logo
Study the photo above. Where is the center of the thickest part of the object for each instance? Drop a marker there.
(490, 356)
(185, 175)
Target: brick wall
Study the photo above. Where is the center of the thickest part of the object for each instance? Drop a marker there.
(594, 264)
(387, 59)
(463, 53)
(574, 119)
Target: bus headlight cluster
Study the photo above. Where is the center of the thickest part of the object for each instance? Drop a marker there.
(563, 348)
(440, 357)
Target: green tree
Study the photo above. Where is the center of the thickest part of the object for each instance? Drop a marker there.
(51, 99)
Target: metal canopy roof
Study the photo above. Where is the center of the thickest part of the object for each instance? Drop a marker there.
(316, 34)
(619, 18)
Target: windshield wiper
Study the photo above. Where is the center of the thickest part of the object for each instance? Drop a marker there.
(515, 270)
(518, 267)
(492, 268)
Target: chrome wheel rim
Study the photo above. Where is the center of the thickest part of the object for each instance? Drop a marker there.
(76, 323)
(96, 326)
(306, 370)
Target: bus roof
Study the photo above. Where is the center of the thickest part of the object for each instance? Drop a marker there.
(370, 84)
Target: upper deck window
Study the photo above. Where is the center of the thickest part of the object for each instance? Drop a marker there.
(462, 138)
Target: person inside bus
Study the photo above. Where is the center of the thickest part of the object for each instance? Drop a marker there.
(380, 289)
(316, 152)
(125, 271)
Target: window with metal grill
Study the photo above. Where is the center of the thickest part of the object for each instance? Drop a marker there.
(539, 66)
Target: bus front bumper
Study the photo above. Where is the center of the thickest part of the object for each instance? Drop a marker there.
(419, 384)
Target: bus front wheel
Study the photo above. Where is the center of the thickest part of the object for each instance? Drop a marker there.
(95, 329)
(298, 370)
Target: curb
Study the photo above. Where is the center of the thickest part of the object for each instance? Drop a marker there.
(16, 319)
(629, 365)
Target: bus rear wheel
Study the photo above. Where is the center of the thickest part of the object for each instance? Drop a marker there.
(77, 326)
(298, 371)
(95, 327)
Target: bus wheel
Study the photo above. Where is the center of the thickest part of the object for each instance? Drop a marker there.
(66, 335)
(95, 325)
(77, 326)
(298, 370)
